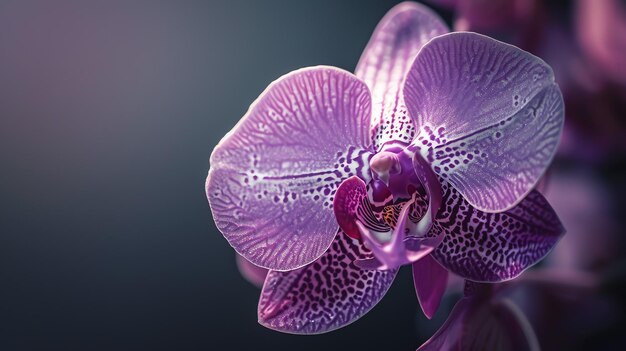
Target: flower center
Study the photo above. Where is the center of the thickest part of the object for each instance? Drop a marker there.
(400, 177)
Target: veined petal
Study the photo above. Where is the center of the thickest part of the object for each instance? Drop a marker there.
(493, 247)
(327, 294)
(489, 116)
(430, 280)
(396, 41)
(273, 177)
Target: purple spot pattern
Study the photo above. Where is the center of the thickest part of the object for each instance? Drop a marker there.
(325, 295)
(493, 247)
(385, 62)
(488, 247)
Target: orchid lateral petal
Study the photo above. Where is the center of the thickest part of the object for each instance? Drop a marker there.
(481, 324)
(327, 294)
(273, 177)
(489, 116)
(396, 40)
(494, 247)
(430, 280)
(254, 274)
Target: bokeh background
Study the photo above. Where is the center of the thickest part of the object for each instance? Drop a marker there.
(109, 111)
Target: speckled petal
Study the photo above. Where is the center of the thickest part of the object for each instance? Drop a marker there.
(328, 294)
(489, 116)
(494, 247)
(385, 61)
(273, 177)
(430, 280)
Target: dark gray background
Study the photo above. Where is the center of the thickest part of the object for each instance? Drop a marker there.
(108, 113)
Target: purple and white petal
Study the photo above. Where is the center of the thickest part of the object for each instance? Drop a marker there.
(394, 44)
(494, 247)
(328, 294)
(430, 280)
(273, 177)
(489, 116)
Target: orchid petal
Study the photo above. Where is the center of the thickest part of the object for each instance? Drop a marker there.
(489, 116)
(328, 294)
(480, 324)
(493, 247)
(254, 274)
(273, 177)
(430, 280)
(397, 39)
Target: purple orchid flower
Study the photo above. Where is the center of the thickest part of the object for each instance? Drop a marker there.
(428, 156)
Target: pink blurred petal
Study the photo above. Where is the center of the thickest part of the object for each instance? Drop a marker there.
(601, 28)
(582, 204)
(481, 321)
(254, 274)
